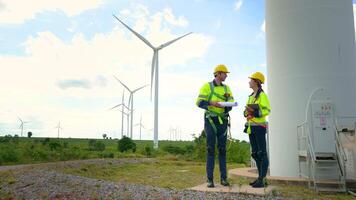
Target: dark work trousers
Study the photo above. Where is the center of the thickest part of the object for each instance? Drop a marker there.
(259, 150)
(211, 138)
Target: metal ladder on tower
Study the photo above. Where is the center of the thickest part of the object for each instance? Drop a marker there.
(320, 155)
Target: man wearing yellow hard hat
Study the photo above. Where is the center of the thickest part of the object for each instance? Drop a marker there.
(257, 109)
(216, 119)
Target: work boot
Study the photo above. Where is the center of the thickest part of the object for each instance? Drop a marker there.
(253, 182)
(224, 182)
(210, 184)
(260, 183)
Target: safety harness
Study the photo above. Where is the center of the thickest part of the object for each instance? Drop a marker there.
(221, 116)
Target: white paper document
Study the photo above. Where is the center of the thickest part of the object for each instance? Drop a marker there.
(228, 104)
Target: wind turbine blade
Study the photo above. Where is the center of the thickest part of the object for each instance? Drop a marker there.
(170, 42)
(130, 98)
(126, 107)
(20, 119)
(124, 112)
(153, 69)
(116, 106)
(122, 84)
(139, 88)
(123, 96)
(134, 32)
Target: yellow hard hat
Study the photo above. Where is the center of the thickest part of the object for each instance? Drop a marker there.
(221, 68)
(259, 76)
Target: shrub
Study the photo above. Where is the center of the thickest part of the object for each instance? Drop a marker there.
(238, 152)
(96, 145)
(6, 139)
(45, 141)
(200, 147)
(39, 154)
(8, 154)
(189, 149)
(106, 155)
(15, 139)
(148, 151)
(65, 144)
(126, 144)
(175, 150)
(54, 145)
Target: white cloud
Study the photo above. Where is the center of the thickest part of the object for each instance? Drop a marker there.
(170, 18)
(262, 33)
(100, 81)
(238, 4)
(31, 81)
(2, 6)
(17, 11)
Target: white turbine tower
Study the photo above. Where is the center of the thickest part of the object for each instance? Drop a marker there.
(141, 126)
(130, 101)
(154, 73)
(21, 125)
(122, 117)
(128, 120)
(123, 106)
(58, 127)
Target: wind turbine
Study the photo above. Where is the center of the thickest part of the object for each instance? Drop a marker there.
(123, 106)
(21, 125)
(154, 73)
(141, 126)
(127, 115)
(170, 130)
(130, 100)
(58, 127)
(122, 117)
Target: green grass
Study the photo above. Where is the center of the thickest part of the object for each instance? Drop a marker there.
(161, 173)
(300, 192)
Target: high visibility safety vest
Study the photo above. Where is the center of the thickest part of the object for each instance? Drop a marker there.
(211, 92)
(220, 93)
(265, 109)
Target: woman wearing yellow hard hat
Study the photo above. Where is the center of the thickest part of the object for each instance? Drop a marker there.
(257, 109)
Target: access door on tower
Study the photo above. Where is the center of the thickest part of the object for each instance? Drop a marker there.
(323, 126)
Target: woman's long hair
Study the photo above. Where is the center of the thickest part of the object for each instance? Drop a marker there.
(259, 85)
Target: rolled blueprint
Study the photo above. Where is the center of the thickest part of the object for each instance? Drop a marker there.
(228, 104)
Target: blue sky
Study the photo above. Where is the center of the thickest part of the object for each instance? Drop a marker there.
(58, 60)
